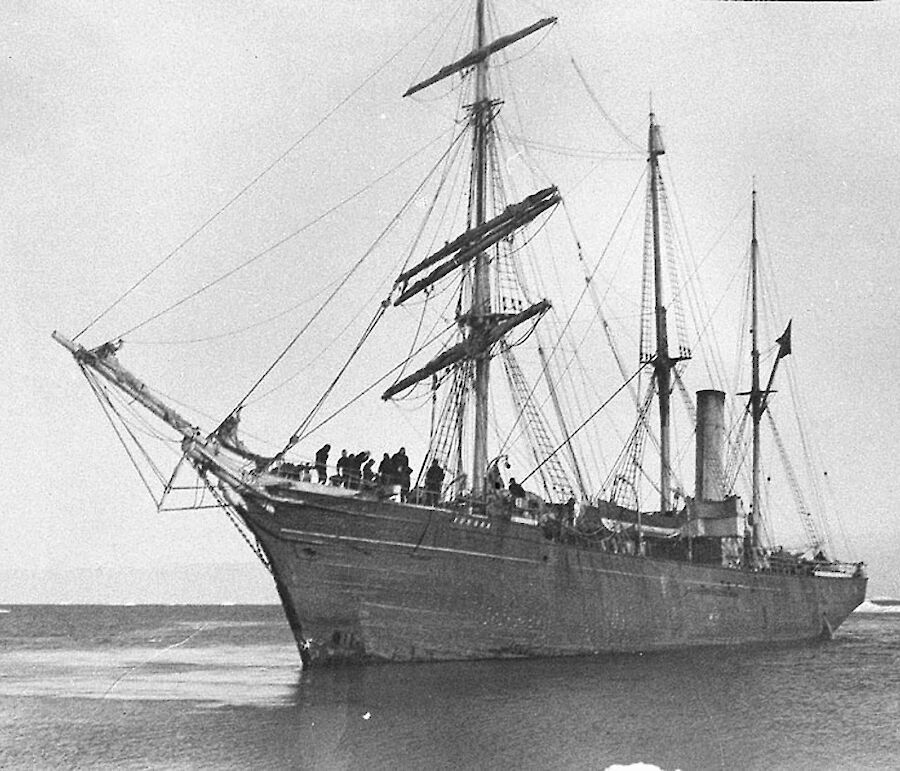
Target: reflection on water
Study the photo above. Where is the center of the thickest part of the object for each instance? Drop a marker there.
(222, 675)
(191, 692)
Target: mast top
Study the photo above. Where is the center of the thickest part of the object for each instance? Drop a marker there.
(753, 217)
(655, 143)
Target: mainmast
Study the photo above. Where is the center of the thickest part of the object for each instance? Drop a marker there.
(481, 289)
(755, 393)
(662, 364)
(483, 327)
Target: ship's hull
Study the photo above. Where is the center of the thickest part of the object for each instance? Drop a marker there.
(376, 580)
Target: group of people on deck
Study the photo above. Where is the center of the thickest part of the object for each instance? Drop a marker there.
(357, 471)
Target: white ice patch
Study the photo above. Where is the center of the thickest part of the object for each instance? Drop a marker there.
(867, 606)
(634, 767)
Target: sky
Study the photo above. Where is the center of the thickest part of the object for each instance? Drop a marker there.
(127, 126)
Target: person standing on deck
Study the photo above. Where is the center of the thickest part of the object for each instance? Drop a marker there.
(386, 471)
(368, 473)
(434, 481)
(403, 471)
(343, 469)
(322, 463)
(354, 469)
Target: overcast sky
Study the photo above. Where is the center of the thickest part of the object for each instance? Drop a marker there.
(126, 125)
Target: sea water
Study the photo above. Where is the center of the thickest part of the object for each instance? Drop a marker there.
(220, 687)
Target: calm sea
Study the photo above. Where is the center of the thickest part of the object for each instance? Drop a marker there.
(219, 687)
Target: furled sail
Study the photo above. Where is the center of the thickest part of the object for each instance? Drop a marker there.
(471, 243)
(480, 54)
(468, 348)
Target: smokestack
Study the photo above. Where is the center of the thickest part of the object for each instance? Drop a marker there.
(710, 444)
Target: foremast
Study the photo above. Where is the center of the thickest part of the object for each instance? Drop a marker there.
(483, 327)
(481, 289)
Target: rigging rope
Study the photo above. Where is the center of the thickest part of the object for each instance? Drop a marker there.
(272, 247)
(322, 351)
(341, 284)
(629, 463)
(414, 246)
(255, 180)
(373, 385)
(570, 152)
(578, 302)
(235, 520)
(295, 437)
(806, 517)
(452, 291)
(622, 135)
(444, 442)
(697, 300)
(462, 28)
(240, 330)
(589, 283)
(106, 405)
(584, 423)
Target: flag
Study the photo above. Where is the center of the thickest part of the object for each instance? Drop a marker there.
(784, 342)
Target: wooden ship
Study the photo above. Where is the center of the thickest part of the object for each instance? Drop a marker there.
(460, 566)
